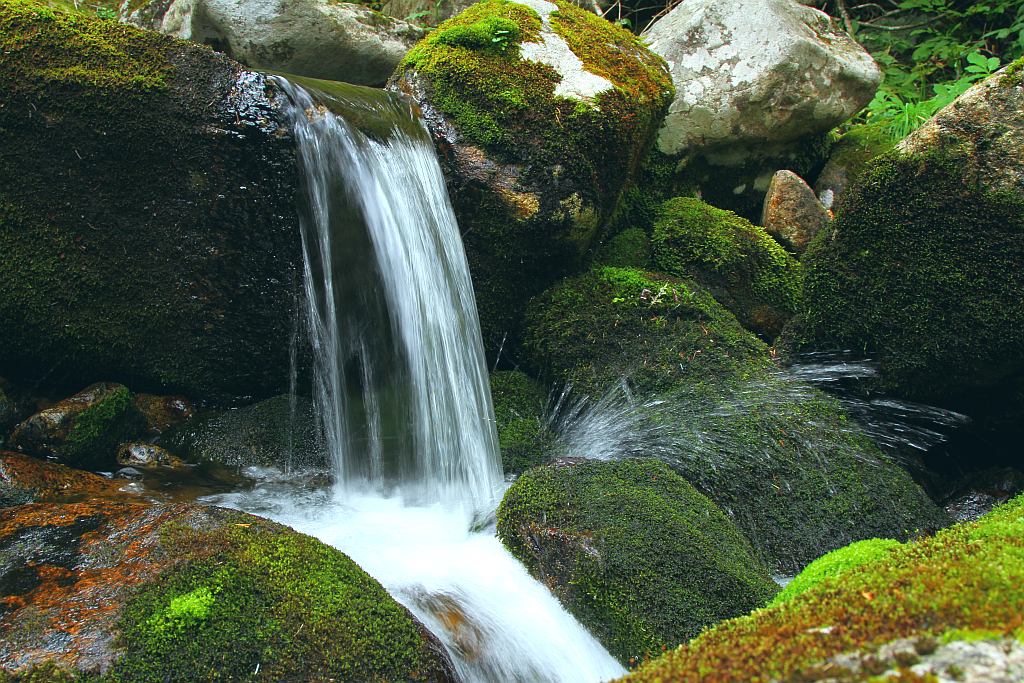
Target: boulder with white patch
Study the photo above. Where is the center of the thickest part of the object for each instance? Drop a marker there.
(542, 114)
(753, 76)
(338, 41)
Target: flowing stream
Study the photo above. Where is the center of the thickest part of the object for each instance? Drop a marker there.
(401, 388)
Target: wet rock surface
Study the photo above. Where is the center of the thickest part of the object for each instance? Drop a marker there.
(24, 480)
(147, 455)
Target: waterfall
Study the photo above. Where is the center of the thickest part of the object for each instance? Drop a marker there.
(400, 380)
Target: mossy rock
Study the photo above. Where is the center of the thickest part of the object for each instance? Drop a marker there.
(83, 430)
(537, 148)
(745, 269)
(630, 248)
(278, 432)
(966, 580)
(147, 211)
(834, 564)
(795, 473)
(519, 404)
(185, 593)
(923, 270)
(633, 551)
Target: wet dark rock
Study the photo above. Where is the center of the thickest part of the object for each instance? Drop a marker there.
(83, 430)
(980, 492)
(271, 433)
(163, 412)
(129, 473)
(147, 211)
(147, 455)
(187, 592)
(25, 480)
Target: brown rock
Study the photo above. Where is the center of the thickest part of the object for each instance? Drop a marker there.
(24, 480)
(792, 213)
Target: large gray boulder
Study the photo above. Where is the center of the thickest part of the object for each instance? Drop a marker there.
(317, 38)
(751, 75)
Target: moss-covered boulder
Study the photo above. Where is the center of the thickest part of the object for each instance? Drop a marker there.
(519, 405)
(963, 584)
(278, 432)
(630, 248)
(26, 480)
(795, 473)
(924, 269)
(633, 551)
(746, 270)
(147, 214)
(83, 430)
(542, 112)
(122, 592)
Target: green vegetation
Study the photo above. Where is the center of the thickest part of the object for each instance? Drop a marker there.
(519, 403)
(633, 551)
(967, 578)
(251, 600)
(835, 564)
(930, 51)
(782, 458)
(746, 270)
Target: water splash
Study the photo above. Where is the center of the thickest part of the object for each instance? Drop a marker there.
(400, 379)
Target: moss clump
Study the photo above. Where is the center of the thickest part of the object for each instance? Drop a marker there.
(794, 472)
(656, 330)
(631, 248)
(146, 211)
(968, 577)
(536, 175)
(922, 271)
(850, 156)
(745, 269)
(519, 404)
(633, 551)
(836, 563)
(99, 429)
(1012, 74)
(269, 605)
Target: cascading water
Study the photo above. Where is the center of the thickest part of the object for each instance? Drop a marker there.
(400, 378)
(402, 390)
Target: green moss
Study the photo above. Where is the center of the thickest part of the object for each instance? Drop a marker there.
(630, 248)
(922, 272)
(968, 577)
(1012, 74)
(633, 551)
(782, 458)
(836, 563)
(269, 605)
(746, 270)
(519, 404)
(99, 429)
